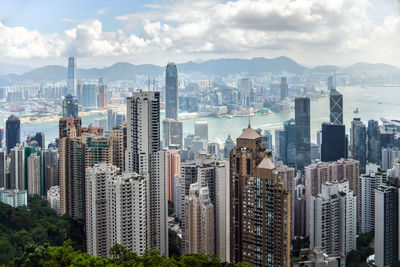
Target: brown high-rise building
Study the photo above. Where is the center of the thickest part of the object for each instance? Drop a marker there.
(117, 150)
(260, 205)
(102, 96)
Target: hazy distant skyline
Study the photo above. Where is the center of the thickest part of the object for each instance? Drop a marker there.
(100, 33)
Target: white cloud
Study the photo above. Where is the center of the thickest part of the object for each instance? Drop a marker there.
(101, 11)
(314, 31)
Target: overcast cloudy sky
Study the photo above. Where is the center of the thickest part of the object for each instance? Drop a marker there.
(99, 33)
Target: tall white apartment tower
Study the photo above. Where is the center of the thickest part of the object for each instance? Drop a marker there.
(71, 78)
(143, 156)
(96, 208)
(127, 221)
(333, 218)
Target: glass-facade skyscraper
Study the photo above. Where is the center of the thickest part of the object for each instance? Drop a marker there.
(70, 106)
(336, 106)
(303, 144)
(89, 96)
(358, 143)
(333, 146)
(13, 132)
(374, 142)
(71, 79)
(171, 92)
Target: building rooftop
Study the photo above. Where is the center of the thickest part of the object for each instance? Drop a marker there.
(266, 163)
(249, 133)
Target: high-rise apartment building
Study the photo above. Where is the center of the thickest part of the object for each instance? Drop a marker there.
(17, 168)
(13, 132)
(303, 143)
(199, 227)
(97, 150)
(387, 157)
(34, 175)
(201, 129)
(335, 106)
(359, 143)
(117, 149)
(171, 91)
(50, 159)
(374, 142)
(172, 133)
(386, 225)
(53, 197)
(368, 183)
(333, 146)
(318, 174)
(333, 215)
(127, 212)
(257, 190)
(70, 106)
(174, 168)
(96, 208)
(71, 79)
(3, 163)
(14, 197)
(144, 157)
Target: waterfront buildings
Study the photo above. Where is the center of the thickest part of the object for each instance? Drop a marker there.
(13, 132)
(201, 129)
(302, 126)
(284, 88)
(171, 91)
(333, 219)
(71, 77)
(70, 106)
(172, 133)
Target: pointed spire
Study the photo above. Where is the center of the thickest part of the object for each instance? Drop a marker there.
(249, 126)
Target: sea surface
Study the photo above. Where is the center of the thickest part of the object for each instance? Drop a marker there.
(372, 103)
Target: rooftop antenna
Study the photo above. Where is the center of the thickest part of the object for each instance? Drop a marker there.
(148, 84)
(249, 126)
(334, 81)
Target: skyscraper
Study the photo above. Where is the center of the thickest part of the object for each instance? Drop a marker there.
(144, 157)
(359, 143)
(374, 142)
(201, 129)
(117, 150)
(17, 168)
(199, 215)
(70, 106)
(96, 207)
(336, 106)
(71, 79)
(256, 191)
(89, 96)
(333, 146)
(386, 225)
(174, 168)
(171, 91)
(13, 132)
(40, 139)
(3, 160)
(34, 175)
(127, 224)
(303, 144)
(173, 133)
(333, 215)
(284, 88)
(287, 143)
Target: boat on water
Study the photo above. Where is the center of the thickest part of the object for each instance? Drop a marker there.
(355, 110)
